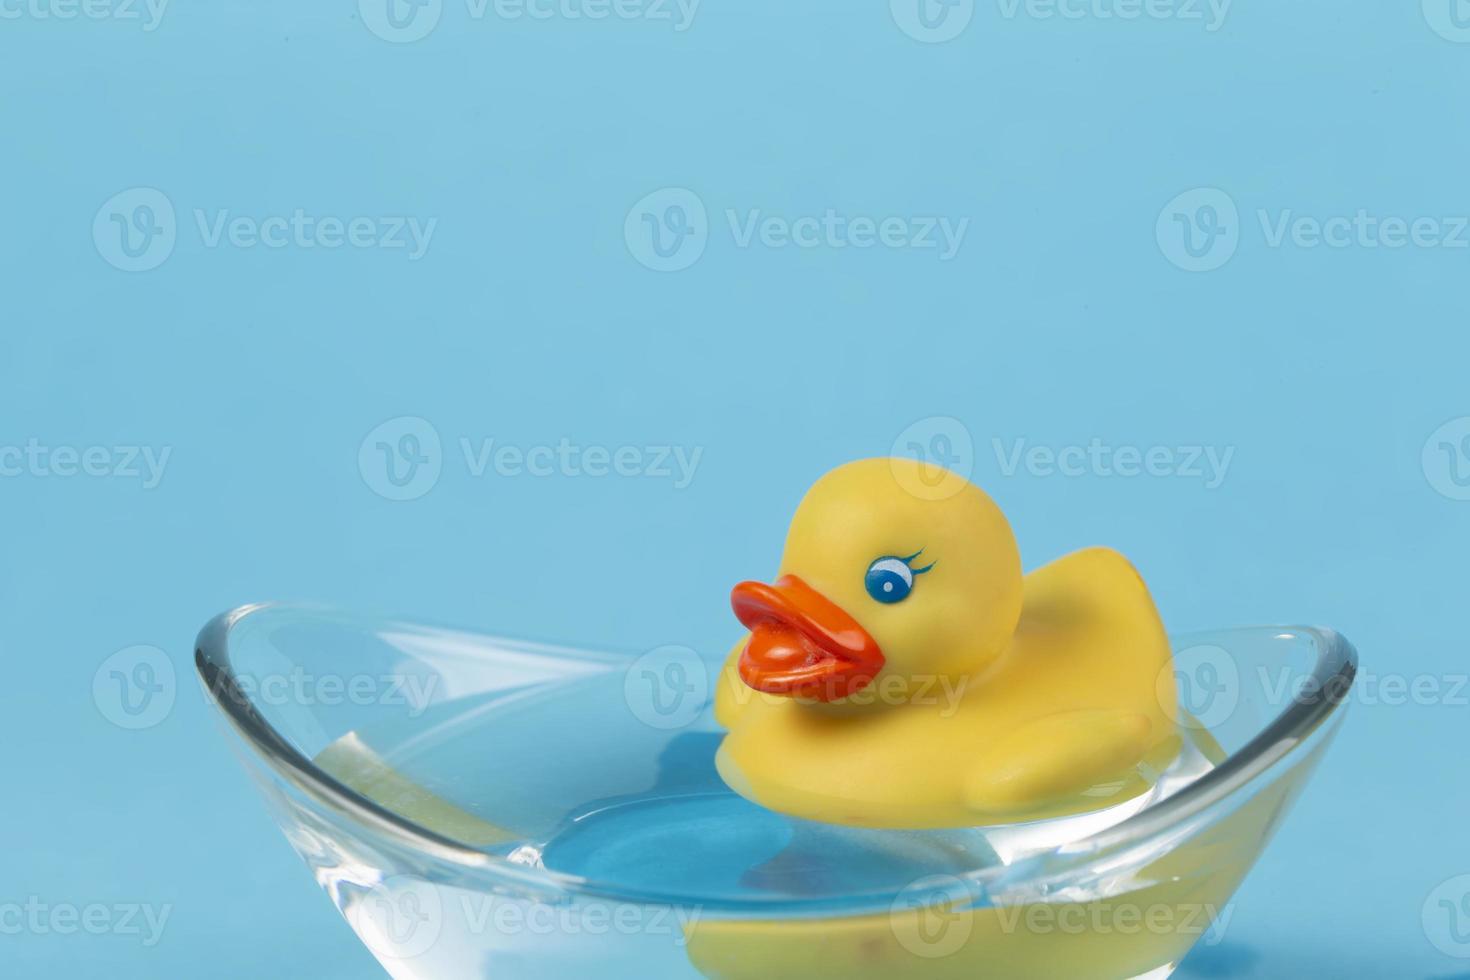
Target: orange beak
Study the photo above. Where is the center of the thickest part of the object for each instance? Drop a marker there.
(801, 643)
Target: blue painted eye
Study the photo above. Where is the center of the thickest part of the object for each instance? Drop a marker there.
(889, 580)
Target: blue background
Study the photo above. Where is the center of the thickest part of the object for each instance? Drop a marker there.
(1065, 316)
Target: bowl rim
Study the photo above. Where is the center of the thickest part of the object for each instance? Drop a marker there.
(1324, 691)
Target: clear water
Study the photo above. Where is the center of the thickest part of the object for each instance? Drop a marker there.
(578, 785)
(541, 756)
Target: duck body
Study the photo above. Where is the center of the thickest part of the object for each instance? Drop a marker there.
(984, 697)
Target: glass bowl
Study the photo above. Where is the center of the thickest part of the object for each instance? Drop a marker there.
(480, 806)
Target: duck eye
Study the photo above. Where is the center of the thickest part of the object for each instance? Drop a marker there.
(889, 580)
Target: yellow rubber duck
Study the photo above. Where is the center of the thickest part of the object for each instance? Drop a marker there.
(901, 672)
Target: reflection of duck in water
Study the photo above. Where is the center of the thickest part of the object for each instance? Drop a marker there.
(722, 844)
(901, 672)
(624, 837)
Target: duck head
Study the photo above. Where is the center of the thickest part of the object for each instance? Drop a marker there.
(879, 581)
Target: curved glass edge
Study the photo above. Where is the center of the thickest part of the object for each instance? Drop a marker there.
(1323, 692)
(212, 661)
(1279, 743)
